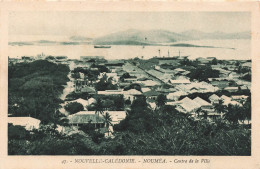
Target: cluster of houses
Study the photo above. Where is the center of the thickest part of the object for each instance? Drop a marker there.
(152, 83)
(42, 56)
(197, 105)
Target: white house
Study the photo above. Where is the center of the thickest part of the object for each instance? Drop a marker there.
(203, 104)
(233, 75)
(228, 100)
(179, 70)
(131, 94)
(176, 95)
(86, 117)
(81, 75)
(231, 89)
(145, 89)
(148, 83)
(176, 82)
(214, 99)
(188, 106)
(110, 92)
(247, 65)
(29, 123)
(239, 97)
(84, 103)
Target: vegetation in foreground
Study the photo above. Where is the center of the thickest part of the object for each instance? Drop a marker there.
(139, 134)
(34, 89)
(163, 131)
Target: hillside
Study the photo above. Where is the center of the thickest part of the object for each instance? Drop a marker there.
(155, 37)
(148, 37)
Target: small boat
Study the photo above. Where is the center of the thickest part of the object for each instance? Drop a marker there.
(101, 46)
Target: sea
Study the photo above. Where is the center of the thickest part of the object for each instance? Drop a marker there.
(225, 50)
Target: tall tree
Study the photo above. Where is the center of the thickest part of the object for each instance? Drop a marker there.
(139, 105)
(74, 107)
(108, 121)
(205, 114)
(169, 115)
(214, 61)
(219, 107)
(247, 109)
(198, 113)
(202, 113)
(119, 102)
(99, 109)
(160, 100)
(232, 114)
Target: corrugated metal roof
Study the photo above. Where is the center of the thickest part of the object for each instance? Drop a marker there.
(27, 122)
(85, 118)
(189, 105)
(132, 92)
(214, 97)
(151, 93)
(201, 101)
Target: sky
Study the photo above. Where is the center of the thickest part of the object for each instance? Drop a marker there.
(62, 24)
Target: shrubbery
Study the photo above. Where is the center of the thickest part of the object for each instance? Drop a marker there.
(75, 96)
(74, 107)
(164, 131)
(202, 73)
(105, 83)
(110, 102)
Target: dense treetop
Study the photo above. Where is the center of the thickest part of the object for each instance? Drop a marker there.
(34, 89)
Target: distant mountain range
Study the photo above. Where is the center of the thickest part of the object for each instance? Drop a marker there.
(49, 43)
(139, 37)
(154, 37)
(80, 38)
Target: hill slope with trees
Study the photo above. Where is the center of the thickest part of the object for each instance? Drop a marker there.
(34, 89)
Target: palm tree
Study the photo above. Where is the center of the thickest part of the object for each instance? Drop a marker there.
(108, 121)
(59, 119)
(98, 106)
(160, 100)
(247, 109)
(241, 113)
(105, 77)
(232, 114)
(200, 112)
(219, 107)
(205, 114)
(170, 114)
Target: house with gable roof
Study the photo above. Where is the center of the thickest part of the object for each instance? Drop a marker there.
(247, 65)
(203, 104)
(131, 94)
(231, 89)
(228, 100)
(151, 94)
(214, 99)
(29, 123)
(84, 118)
(187, 106)
(176, 95)
(84, 102)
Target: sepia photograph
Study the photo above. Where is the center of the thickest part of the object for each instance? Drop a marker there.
(172, 83)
